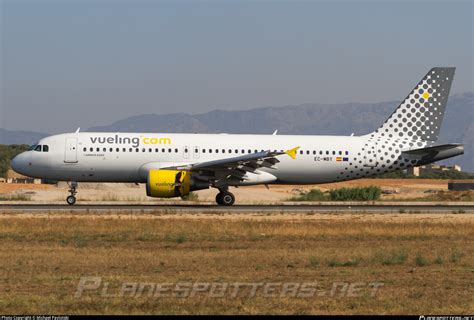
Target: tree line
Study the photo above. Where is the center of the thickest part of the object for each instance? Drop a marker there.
(8, 152)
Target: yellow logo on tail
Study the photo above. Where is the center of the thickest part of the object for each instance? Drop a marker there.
(292, 152)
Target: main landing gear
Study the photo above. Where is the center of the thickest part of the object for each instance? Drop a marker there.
(72, 190)
(225, 198)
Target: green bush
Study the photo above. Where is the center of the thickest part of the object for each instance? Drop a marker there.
(15, 197)
(355, 194)
(391, 258)
(420, 260)
(343, 194)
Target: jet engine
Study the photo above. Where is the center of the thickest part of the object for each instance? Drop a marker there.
(168, 183)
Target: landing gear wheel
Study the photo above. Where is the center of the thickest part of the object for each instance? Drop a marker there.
(72, 190)
(225, 198)
(71, 200)
(219, 198)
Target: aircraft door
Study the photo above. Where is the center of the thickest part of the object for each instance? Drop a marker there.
(70, 154)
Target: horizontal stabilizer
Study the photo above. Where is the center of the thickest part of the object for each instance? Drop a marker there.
(435, 153)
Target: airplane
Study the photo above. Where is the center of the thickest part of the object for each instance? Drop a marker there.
(173, 165)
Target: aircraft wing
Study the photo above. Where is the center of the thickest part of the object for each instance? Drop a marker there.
(235, 167)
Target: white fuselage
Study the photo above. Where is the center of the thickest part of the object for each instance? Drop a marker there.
(127, 157)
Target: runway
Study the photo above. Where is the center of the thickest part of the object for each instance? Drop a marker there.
(203, 208)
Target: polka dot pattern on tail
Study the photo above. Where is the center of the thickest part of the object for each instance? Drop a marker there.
(420, 115)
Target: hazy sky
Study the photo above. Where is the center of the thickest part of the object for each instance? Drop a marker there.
(69, 63)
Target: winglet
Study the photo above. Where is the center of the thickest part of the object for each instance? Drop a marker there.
(292, 152)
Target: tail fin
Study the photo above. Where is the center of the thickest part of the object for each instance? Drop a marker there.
(420, 115)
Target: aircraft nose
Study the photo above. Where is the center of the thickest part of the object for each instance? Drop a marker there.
(18, 163)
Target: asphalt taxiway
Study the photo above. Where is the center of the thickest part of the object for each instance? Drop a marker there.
(301, 208)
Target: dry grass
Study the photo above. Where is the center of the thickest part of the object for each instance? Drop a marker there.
(15, 197)
(451, 196)
(426, 264)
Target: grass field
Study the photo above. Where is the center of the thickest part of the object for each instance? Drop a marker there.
(425, 262)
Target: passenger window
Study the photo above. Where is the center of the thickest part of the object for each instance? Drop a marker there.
(163, 150)
(307, 152)
(91, 149)
(217, 150)
(186, 150)
(321, 152)
(85, 149)
(176, 150)
(327, 152)
(45, 148)
(334, 152)
(340, 152)
(143, 150)
(130, 150)
(117, 149)
(169, 150)
(137, 150)
(98, 149)
(124, 149)
(301, 151)
(203, 150)
(243, 151)
(156, 150)
(104, 149)
(223, 150)
(347, 153)
(111, 149)
(210, 150)
(314, 151)
(38, 148)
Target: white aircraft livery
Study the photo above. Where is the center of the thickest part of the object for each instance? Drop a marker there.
(173, 165)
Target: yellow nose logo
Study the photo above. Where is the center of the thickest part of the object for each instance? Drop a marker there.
(426, 95)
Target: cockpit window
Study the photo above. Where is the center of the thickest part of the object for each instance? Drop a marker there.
(38, 148)
(32, 147)
(45, 148)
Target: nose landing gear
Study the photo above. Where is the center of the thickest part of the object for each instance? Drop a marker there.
(72, 190)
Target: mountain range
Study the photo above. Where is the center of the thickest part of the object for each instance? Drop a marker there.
(328, 119)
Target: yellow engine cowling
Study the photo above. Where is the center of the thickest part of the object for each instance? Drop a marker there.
(168, 183)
